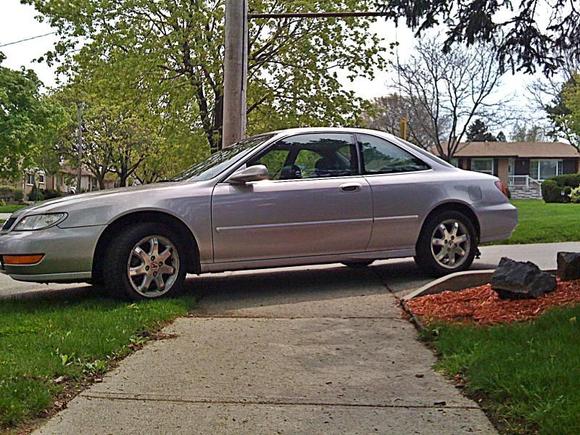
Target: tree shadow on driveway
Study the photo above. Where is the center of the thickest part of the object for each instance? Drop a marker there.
(249, 289)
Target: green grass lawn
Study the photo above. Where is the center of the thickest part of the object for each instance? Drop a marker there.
(10, 208)
(527, 374)
(545, 223)
(81, 337)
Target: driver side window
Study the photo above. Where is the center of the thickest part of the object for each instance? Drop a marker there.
(310, 156)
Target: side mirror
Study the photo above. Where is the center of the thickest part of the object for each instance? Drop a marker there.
(251, 173)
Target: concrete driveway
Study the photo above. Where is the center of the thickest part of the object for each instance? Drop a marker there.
(302, 350)
(295, 351)
(401, 276)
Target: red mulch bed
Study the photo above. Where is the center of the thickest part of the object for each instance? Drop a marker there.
(482, 305)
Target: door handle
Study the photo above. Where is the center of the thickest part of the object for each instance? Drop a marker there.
(350, 187)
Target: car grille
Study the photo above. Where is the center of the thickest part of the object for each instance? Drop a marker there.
(8, 224)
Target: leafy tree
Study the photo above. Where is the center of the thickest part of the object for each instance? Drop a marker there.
(452, 88)
(478, 132)
(123, 133)
(501, 137)
(385, 113)
(27, 121)
(176, 47)
(519, 34)
(572, 101)
(524, 133)
(548, 95)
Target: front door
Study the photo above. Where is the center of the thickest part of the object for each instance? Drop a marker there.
(315, 203)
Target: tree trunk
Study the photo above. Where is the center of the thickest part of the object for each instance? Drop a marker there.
(101, 181)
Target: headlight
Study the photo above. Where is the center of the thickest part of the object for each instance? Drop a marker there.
(39, 221)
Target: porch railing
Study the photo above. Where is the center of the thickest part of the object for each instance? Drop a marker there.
(523, 181)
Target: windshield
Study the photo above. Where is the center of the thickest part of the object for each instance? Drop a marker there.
(218, 162)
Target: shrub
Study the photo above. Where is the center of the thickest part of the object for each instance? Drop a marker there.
(8, 193)
(575, 195)
(35, 194)
(551, 192)
(559, 188)
(570, 180)
(49, 194)
(18, 196)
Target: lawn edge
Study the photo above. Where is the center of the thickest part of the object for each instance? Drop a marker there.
(72, 388)
(502, 424)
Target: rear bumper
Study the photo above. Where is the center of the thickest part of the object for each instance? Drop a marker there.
(68, 253)
(497, 222)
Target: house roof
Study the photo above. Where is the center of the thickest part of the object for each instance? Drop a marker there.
(517, 149)
(74, 171)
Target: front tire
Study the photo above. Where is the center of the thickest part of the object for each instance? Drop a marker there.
(145, 261)
(447, 244)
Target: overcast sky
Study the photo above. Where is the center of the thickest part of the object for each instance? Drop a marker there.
(18, 21)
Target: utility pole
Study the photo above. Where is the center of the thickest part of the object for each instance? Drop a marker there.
(236, 60)
(235, 71)
(80, 144)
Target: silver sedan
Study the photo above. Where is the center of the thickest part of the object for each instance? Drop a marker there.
(286, 198)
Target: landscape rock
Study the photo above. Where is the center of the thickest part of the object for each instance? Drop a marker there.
(521, 280)
(568, 265)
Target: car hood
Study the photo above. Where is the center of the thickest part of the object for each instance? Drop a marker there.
(61, 204)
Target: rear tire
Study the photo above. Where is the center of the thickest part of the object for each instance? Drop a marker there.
(447, 244)
(146, 261)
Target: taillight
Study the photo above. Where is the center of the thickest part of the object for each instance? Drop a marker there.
(503, 188)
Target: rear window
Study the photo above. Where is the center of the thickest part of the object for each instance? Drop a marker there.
(382, 157)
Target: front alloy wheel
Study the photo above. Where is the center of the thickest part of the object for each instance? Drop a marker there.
(153, 266)
(145, 261)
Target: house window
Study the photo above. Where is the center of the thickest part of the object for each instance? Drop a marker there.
(454, 161)
(30, 179)
(544, 169)
(482, 165)
(41, 178)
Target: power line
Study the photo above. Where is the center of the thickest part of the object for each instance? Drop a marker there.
(317, 15)
(26, 39)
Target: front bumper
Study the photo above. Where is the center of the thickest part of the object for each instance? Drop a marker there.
(68, 253)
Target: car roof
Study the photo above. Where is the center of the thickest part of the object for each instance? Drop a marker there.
(306, 130)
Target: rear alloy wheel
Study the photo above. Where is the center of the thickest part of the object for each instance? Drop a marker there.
(447, 244)
(145, 263)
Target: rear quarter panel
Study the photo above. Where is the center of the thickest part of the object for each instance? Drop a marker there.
(402, 203)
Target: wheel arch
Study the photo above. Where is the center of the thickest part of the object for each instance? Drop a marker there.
(113, 228)
(454, 206)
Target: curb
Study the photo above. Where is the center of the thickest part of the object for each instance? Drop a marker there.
(455, 282)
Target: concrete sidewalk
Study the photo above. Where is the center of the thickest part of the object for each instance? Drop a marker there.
(319, 349)
(298, 351)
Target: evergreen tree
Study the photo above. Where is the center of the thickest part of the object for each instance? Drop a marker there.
(478, 132)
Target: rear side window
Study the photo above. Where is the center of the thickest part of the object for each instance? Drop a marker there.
(382, 157)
